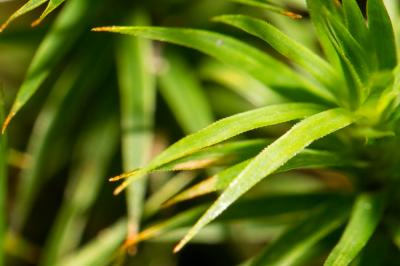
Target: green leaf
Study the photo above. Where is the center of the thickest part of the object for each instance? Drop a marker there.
(265, 206)
(365, 216)
(100, 250)
(289, 247)
(28, 6)
(381, 34)
(315, 8)
(169, 189)
(184, 95)
(224, 129)
(355, 21)
(269, 7)
(236, 53)
(349, 47)
(307, 159)
(221, 154)
(61, 109)
(271, 158)
(53, 4)
(65, 30)
(3, 183)
(288, 47)
(239, 82)
(94, 152)
(137, 98)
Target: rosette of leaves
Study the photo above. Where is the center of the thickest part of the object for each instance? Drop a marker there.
(344, 103)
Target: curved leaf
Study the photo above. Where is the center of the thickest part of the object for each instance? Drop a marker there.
(305, 160)
(271, 158)
(28, 6)
(365, 217)
(66, 29)
(289, 247)
(231, 51)
(288, 47)
(225, 129)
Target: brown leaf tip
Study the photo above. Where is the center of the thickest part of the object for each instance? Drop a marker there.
(105, 28)
(292, 15)
(7, 122)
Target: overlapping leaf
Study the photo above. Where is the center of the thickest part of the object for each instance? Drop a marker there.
(224, 129)
(305, 160)
(270, 159)
(236, 53)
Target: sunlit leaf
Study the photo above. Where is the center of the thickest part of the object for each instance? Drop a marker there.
(225, 129)
(305, 160)
(236, 53)
(271, 158)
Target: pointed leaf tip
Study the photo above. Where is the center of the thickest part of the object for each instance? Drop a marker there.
(292, 15)
(36, 22)
(7, 122)
(104, 28)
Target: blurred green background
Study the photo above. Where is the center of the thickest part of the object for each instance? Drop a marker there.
(66, 142)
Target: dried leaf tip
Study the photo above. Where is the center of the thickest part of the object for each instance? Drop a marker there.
(4, 26)
(120, 188)
(123, 176)
(7, 122)
(178, 247)
(105, 28)
(36, 22)
(292, 15)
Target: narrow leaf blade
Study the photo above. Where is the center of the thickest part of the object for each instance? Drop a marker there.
(231, 51)
(365, 217)
(274, 156)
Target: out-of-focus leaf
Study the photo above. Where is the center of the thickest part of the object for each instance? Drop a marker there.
(266, 206)
(137, 98)
(94, 153)
(3, 183)
(290, 246)
(60, 110)
(236, 53)
(381, 34)
(269, 7)
(305, 160)
(271, 158)
(28, 6)
(365, 216)
(222, 130)
(53, 4)
(288, 47)
(100, 250)
(221, 154)
(65, 30)
(170, 188)
(241, 83)
(184, 95)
